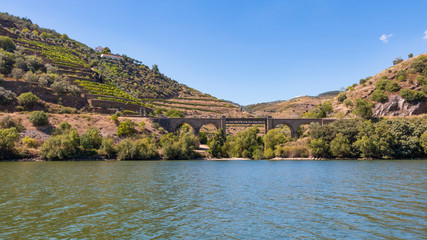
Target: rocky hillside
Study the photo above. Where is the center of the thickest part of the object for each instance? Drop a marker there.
(40, 58)
(399, 90)
(293, 108)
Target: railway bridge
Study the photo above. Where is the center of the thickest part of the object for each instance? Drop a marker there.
(173, 124)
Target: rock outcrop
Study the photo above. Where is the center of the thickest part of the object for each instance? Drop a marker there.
(397, 106)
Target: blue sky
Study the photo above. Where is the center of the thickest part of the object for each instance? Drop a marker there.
(245, 51)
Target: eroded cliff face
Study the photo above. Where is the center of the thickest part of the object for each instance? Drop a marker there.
(397, 106)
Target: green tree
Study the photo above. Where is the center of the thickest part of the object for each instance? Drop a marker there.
(28, 100)
(423, 141)
(363, 109)
(411, 95)
(126, 128)
(273, 138)
(39, 118)
(173, 113)
(106, 50)
(7, 44)
(61, 147)
(319, 147)
(340, 146)
(216, 144)
(379, 96)
(8, 139)
(91, 139)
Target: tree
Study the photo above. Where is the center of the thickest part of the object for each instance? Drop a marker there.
(378, 96)
(8, 139)
(126, 128)
(340, 146)
(17, 73)
(91, 139)
(411, 95)
(6, 96)
(273, 138)
(7, 44)
(397, 60)
(28, 99)
(216, 144)
(363, 109)
(319, 147)
(106, 50)
(410, 55)
(39, 118)
(423, 141)
(173, 113)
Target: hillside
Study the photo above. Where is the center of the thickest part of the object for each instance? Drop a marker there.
(399, 90)
(293, 108)
(59, 69)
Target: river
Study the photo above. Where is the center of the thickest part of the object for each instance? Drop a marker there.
(214, 200)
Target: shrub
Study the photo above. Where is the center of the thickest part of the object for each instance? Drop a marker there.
(423, 141)
(91, 139)
(340, 146)
(59, 147)
(143, 149)
(64, 127)
(421, 80)
(28, 99)
(342, 97)
(420, 64)
(67, 110)
(31, 77)
(6, 96)
(126, 128)
(378, 96)
(60, 87)
(107, 148)
(17, 73)
(397, 61)
(29, 142)
(8, 122)
(392, 86)
(348, 103)
(8, 139)
(424, 89)
(115, 119)
(381, 84)
(363, 108)
(401, 75)
(319, 148)
(7, 44)
(411, 95)
(38, 118)
(173, 113)
(180, 149)
(364, 80)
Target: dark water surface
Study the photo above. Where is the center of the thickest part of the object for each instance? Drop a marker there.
(214, 200)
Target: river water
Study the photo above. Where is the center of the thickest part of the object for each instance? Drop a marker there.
(214, 200)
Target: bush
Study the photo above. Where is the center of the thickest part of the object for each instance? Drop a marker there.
(143, 149)
(342, 97)
(126, 128)
(340, 146)
(203, 138)
(173, 113)
(348, 103)
(107, 148)
(319, 148)
(411, 95)
(67, 110)
(17, 73)
(28, 100)
(8, 139)
(423, 141)
(7, 44)
(39, 118)
(8, 122)
(115, 119)
(397, 61)
(392, 86)
(424, 89)
(31, 77)
(60, 147)
(91, 139)
(378, 96)
(421, 80)
(60, 87)
(64, 127)
(29, 142)
(363, 109)
(420, 64)
(179, 149)
(6, 96)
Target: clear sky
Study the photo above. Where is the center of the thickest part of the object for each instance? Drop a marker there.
(245, 51)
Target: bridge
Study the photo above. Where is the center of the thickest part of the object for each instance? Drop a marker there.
(173, 124)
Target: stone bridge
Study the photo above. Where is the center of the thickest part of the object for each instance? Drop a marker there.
(173, 124)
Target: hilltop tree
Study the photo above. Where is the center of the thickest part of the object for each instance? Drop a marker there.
(106, 50)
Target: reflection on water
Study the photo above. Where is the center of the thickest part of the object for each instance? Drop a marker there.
(214, 199)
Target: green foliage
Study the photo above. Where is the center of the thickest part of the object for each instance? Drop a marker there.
(108, 148)
(9, 122)
(6, 96)
(364, 80)
(420, 64)
(126, 128)
(340, 146)
(8, 139)
(6, 62)
(348, 103)
(379, 96)
(28, 100)
(17, 73)
(320, 111)
(392, 86)
(401, 75)
(421, 80)
(173, 113)
(273, 138)
(245, 144)
(39, 118)
(91, 139)
(423, 141)
(7, 44)
(115, 119)
(106, 50)
(341, 97)
(142, 149)
(319, 147)
(397, 61)
(61, 147)
(411, 95)
(216, 144)
(424, 89)
(64, 127)
(203, 138)
(363, 108)
(67, 110)
(178, 147)
(29, 142)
